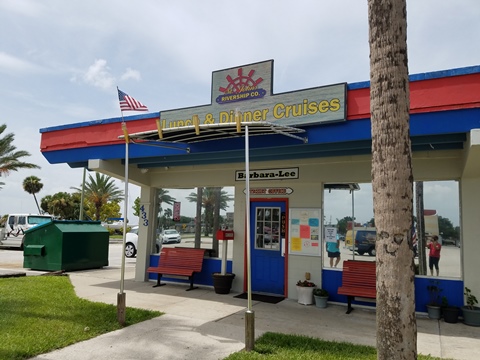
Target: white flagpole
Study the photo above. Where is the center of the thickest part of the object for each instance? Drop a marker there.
(121, 298)
(250, 314)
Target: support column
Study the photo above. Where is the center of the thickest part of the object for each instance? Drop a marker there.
(147, 231)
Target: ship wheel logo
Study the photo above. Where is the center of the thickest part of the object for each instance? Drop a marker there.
(243, 87)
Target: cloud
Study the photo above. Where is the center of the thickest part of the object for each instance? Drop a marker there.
(98, 75)
(131, 74)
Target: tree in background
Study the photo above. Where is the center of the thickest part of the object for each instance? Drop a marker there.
(446, 229)
(109, 210)
(167, 217)
(136, 207)
(342, 225)
(209, 195)
(100, 191)
(10, 156)
(163, 197)
(32, 185)
(62, 205)
(392, 179)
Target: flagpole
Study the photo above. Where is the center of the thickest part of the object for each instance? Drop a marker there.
(121, 298)
(127, 103)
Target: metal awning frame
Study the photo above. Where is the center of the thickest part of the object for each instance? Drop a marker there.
(207, 132)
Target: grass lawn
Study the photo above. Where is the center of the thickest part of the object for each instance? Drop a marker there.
(296, 347)
(39, 314)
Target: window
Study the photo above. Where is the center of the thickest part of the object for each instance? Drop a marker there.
(441, 216)
(267, 228)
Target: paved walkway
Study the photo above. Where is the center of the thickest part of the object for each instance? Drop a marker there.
(200, 324)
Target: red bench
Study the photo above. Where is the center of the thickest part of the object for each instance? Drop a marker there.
(358, 279)
(179, 262)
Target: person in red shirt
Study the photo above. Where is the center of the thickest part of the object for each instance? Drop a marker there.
(434, 254)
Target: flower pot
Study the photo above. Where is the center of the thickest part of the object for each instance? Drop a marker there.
(434, 311)
(471, 316)
(320, 301)
(222, 283)
(450, 314)
(305, 295)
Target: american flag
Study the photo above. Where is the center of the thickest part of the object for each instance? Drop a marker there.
(128, 103)
(414, 234)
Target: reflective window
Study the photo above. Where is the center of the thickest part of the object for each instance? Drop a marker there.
(267, 228)
(441, 218)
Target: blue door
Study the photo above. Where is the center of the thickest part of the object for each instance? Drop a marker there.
(267, 227)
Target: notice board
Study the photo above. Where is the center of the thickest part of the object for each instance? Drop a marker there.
(305, 231)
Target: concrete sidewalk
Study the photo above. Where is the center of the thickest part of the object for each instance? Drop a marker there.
(200, 324)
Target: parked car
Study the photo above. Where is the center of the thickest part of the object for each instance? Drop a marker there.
(131, 243)
(364, 241)
(170, 236)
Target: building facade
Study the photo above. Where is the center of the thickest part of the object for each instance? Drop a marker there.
(298, 144)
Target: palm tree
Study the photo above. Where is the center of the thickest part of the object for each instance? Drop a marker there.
(10, 157)
(392, 179)
(32, 185)
(101, 190)
(167, 215)
(62, 205)
(209, 197)
(163, 197)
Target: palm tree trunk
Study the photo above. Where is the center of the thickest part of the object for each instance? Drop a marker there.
(392, 179)
(38, 207)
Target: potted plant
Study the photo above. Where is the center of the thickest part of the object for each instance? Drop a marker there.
(321, 296)
(450, 312)
(471, 313)
(305, 292)
(433, 305)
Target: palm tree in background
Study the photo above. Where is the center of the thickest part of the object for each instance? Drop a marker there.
(10, 156)
(62, 205)
(209, 197)
(32, 185)
(100, 190)
(163, 197)
(167, 214)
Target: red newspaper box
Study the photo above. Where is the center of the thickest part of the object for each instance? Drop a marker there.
(224, 234)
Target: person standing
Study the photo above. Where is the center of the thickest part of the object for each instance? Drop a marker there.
(333, 250)
(434, 254)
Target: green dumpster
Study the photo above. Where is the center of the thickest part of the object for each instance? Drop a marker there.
(66, 245)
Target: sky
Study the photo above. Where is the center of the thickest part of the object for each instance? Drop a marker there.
(61, 61)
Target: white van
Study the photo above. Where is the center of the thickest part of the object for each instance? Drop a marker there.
(16, 225)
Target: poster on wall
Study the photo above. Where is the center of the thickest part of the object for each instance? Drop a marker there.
(305, 231)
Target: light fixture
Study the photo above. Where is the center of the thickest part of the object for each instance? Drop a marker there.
(143, 170)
